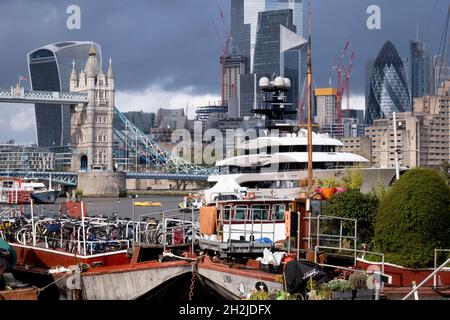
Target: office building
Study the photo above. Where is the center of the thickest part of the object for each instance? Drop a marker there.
(423, 135)
(354, 114)
(247, 100)
(234, 66)
(368, 76)
(357, 145)
(326, 107)
(49, 69)
(166, 122)
(244, 31)
(244, 22)
(25, 158)
(267, 49)
(144, 121)
(418, 70)
(388, 85)
(383, 142)
(267, 52)
(434, 115)
(438, 72)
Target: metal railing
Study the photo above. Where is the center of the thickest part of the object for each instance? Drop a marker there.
(416, 288)
(165, 228)
(350, 250)
(248, 222)
(379, 286)
(435, 265)
(314, 232)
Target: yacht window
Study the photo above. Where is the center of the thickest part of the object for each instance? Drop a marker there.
(226, 212)
(278, 211)
(260, 211)
(240, 212)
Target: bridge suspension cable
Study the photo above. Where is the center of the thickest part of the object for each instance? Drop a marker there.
(150, 152)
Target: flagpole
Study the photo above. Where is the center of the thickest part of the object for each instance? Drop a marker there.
(281, 52)
(309, 81)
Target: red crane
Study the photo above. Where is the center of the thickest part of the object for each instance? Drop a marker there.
(343, 80)
(225, 46)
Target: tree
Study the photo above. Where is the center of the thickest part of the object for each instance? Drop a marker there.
(355, 205)
(444, 169)
(413, 219)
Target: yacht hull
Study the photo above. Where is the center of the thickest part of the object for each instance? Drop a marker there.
(46, 197)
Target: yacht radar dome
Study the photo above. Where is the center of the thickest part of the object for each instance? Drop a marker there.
(287, 83)
(264, 82)
(279, 82)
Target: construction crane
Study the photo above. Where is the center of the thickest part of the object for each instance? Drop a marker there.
(225, 47)
(343, 80)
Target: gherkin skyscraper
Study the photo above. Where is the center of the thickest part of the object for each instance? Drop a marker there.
(388, 91)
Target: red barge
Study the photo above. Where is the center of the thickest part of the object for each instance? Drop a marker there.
(230, 236)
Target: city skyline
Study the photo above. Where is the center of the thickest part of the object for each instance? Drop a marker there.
(144, 83)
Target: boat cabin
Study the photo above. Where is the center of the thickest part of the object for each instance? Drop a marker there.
(249, 225)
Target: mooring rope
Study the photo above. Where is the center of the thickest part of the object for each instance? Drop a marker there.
(39, 290)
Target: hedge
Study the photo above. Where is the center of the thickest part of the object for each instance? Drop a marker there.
(413, 219)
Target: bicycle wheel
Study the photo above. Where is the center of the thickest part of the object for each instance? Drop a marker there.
(24, 236)
(158, 237)
(53, 239)
(148, 236)
(40, 232)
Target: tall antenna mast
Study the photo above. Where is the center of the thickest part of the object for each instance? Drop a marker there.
(308, 79)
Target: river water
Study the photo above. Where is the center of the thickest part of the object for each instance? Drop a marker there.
(106, 206)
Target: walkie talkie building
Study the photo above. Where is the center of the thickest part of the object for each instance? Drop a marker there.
(50, 67)
(388, 91)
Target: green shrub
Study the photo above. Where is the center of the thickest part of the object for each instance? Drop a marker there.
(355, 205)
(353, 178)
(413, 219)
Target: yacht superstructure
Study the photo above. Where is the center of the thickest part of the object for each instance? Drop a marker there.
(274, 166)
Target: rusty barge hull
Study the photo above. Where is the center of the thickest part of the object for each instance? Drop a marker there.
(48, 258)
(130, 281)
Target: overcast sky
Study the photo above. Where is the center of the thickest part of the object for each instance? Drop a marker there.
(166, 53)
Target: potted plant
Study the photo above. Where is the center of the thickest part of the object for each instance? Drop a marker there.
(79, 194)
(353, 178)
(358, 280)
(329, 187)
(341, 289)
(322, 292)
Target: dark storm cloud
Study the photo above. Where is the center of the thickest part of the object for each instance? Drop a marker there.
(174, 40)
(148, 40)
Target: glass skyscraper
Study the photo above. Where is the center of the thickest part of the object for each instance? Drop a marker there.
(244, 21)
(388, 91)
(267, 50)
(244, 31)
(418, 70)
(49, 68)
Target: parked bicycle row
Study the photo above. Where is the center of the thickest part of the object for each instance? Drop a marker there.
(95, 234)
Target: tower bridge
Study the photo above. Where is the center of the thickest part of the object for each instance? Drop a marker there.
(19, 95)
(92, 111)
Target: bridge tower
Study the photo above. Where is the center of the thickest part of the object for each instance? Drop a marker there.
(92, 124)
(92, 131)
